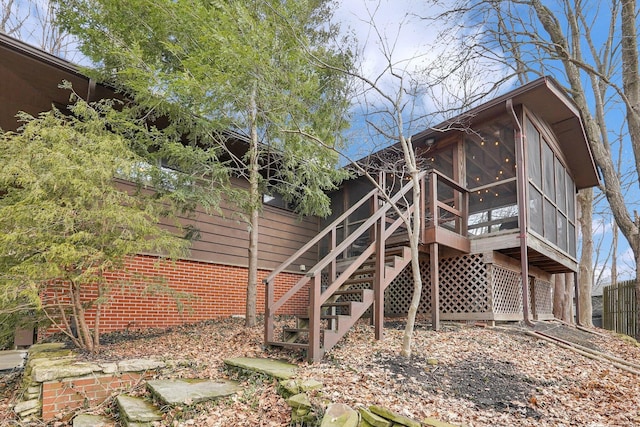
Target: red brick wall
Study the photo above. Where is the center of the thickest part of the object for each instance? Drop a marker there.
(216, 291)
(63, 396)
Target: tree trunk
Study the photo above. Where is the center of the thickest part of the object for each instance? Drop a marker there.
(631, 85)
(585, 275)
(84, 332)
(563, 300)
(414, 241)
(569, 297)
(96, 321)
(558, 295)
(254, 200)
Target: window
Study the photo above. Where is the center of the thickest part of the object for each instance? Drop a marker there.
(276, 200)
(491, 178)
(552, 201)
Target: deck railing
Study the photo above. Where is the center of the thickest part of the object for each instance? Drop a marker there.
(447, 211)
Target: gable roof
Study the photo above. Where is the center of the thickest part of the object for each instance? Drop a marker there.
(547, 99)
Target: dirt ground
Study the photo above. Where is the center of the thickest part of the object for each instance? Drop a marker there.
(464, 374)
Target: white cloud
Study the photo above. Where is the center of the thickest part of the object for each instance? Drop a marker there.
(404, 33)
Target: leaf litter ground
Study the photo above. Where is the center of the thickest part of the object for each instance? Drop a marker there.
(463, 374)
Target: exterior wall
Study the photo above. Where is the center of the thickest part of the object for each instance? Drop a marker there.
(205, 291)
(212, 282)
(224, 236)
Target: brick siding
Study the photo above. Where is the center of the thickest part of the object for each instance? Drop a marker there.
(214, 291)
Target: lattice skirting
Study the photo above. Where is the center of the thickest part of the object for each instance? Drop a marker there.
(470, 289)
(543, 302)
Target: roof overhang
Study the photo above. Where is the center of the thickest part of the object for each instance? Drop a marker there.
(30, 79)
(548, 101)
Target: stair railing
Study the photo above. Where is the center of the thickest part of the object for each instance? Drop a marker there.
(314, 276)
(272, 306)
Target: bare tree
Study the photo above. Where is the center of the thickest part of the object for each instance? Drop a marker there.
(35, 22)
(393, 100)
(13, 18)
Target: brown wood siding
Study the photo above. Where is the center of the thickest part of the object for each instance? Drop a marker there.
(224, 237)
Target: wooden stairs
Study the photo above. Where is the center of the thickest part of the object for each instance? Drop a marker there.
(342, 289)
(346, 305)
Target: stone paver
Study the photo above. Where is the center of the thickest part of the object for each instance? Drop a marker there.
(137, 412)
(86, 420)
(180, 391)
(396, 418)
(273, 368)
(12, 359)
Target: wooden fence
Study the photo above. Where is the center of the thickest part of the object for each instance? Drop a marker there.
(619, 308)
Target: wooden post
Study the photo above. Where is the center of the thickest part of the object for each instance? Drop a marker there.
(378, 293)
(532, 291)
(577, 296)
(314, 353)
(423, 208)
(435, 287)
(333, 274)
(268, 315)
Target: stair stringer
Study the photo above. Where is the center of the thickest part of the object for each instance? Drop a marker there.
(358, 309)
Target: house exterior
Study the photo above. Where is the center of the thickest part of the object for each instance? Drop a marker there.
(215, 272)
(498, 188)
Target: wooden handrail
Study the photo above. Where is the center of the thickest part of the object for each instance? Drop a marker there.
(454, 211)
(360, 230)
(319, 237)
(448, 181)
(370, 250)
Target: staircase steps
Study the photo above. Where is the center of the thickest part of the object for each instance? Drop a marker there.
(357, 281)
(338, 314)
(350, 291)
(292, 345)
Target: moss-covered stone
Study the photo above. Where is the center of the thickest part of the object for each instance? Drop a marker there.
(137, 410)
(396, 418)
(179, 391)
(289, 388)
(300, 400)
(432, 422)
(86, 420)
(292, 386)
(340, 415)
(273, 368)
(374, 419)
(50, 370)
(309, 385)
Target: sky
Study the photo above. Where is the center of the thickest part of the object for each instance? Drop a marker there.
(396, 32)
